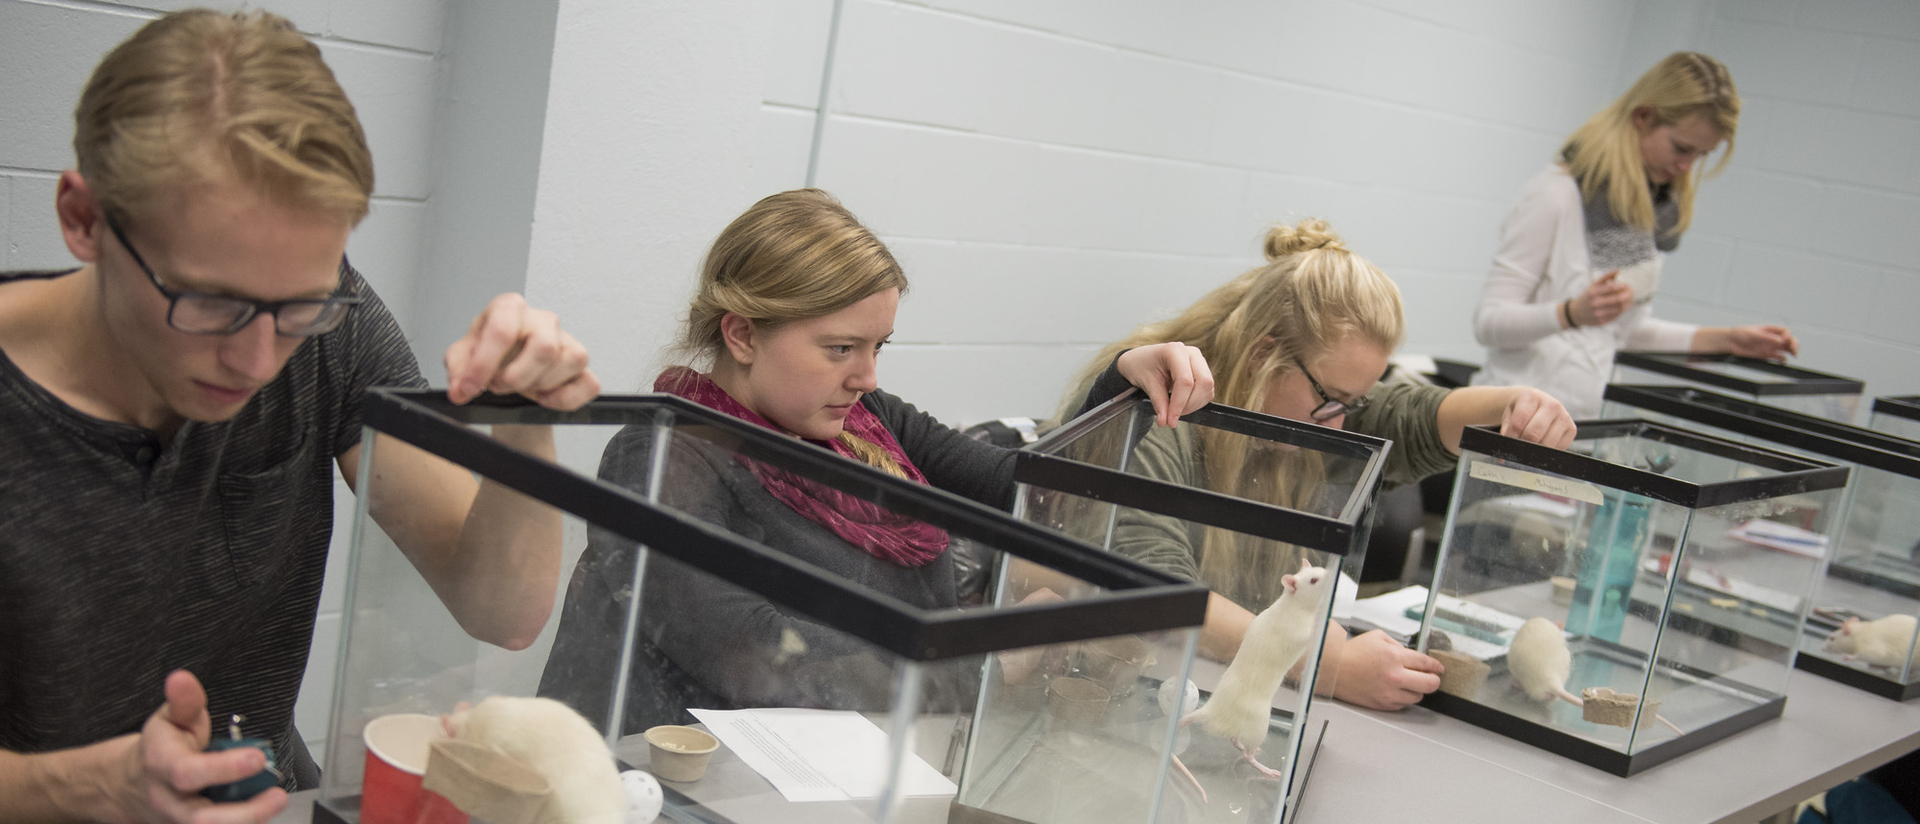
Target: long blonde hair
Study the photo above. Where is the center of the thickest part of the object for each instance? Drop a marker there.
(1605, 152)
(1311, 295)
(199, 96)
(791, 256)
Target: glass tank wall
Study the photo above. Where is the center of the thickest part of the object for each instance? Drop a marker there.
(1782, 385)
(1263, 511)
(1605, 603)
(1860, 630)
(1898, 416)
(776, 633)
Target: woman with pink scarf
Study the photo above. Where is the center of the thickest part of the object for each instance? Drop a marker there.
(796, 299)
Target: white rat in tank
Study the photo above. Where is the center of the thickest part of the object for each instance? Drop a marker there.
(556, 742)
(1540, 663)
(1241, 704)
(1883, 642)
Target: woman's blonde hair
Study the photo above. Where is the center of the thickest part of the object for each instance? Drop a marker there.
(200, 96)
(792, 256)
(1605, 152)
(1312, 295)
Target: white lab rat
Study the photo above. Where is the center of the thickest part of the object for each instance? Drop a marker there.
(1541, 662)
(1279, 635)
(1882, 642)
(556, 742)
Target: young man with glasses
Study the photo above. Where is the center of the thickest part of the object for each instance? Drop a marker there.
(171, 413)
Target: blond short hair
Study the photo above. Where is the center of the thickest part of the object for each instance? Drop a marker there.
(199, 97)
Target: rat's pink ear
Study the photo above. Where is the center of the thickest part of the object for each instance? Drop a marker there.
(1304, 565)
(1846, 628)
(453, 721)
(1291, 583)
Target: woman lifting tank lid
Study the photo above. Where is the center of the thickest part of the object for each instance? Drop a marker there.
(1580, 254)
(1307, 336)
(795, 300)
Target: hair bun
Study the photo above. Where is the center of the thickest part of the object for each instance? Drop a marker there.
(1312, 233)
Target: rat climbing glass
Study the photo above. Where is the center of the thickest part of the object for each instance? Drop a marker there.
(775, 632)
(1629, 599)
(1265, 512)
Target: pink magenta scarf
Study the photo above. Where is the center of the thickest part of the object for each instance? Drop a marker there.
(883, 534)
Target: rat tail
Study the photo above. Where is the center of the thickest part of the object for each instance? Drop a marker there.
(1190, 779)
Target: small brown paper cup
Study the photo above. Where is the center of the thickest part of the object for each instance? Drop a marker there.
(1077, 702)
(1114, 663)
(1562, 589)
(676, 753)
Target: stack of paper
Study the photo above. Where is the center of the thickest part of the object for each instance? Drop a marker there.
(818, 755)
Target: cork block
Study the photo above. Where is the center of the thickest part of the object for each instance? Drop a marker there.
(1614, 709)
(1465, 674)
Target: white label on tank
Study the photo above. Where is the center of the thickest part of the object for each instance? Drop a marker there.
(1563, 487)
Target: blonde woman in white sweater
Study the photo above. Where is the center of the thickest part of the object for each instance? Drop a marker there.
(1580, 254)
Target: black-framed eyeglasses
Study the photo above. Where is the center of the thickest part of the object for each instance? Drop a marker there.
(199, 313)
(1330, 407)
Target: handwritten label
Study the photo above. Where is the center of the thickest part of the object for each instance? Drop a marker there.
(1577, 490)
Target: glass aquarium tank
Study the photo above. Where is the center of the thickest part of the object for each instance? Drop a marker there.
(775, 633)
(1861, 628)
(1897, 415)
(1788, 387)
(1263, 511)
(1607, 603)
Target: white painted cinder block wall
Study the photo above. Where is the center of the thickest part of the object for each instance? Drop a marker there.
(1054, 173)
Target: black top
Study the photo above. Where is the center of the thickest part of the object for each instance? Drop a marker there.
(123, 558)
(1900, 406)
(1694, 367)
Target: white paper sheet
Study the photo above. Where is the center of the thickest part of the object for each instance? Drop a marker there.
(1389, 612)
(818, 755)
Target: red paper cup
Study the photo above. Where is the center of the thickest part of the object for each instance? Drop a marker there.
(396, 762)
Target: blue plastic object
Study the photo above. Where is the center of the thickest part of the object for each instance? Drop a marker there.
(245, 788)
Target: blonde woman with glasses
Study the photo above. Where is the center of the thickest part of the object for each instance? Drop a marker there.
(1305, 336)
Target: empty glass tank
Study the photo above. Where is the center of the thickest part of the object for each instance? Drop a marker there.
(1860, 629)
(1260, 509)
(1603, 603)
(833, 627)
(1788, 387)
(1897, 416)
